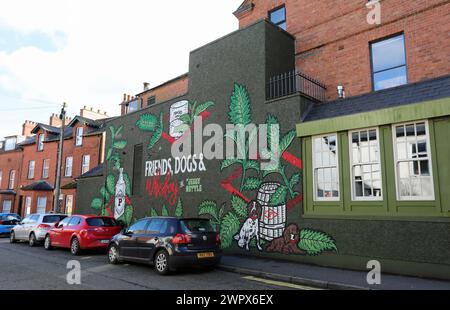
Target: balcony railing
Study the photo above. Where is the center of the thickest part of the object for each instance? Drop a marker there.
(295, 82)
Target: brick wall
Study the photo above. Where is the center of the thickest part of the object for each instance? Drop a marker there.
(332, 38)
(9, 161)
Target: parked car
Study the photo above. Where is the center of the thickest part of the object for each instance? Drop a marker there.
(34, 227)
(80, 232)
(7, 222)
(168, 243)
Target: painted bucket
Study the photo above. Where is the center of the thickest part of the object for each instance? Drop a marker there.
(176, 111)
(273, 218)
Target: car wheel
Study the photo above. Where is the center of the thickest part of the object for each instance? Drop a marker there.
(32, 240)
(75, 247)
(12, 237)
(113, 254)
(47, 243)
(162, 262)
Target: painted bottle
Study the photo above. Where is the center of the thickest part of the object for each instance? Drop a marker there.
(120, 196)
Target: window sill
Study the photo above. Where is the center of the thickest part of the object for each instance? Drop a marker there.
(382, 218)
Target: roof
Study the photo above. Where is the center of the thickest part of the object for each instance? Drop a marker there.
(8, 192)
(245, 6)
(406, 94)
(28, 141)
(94, 172)
(39, 186)
(87, 121)
(71, 185)
(45, 127)
(185, 75)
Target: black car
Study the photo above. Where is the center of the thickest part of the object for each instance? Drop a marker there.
(168, 243)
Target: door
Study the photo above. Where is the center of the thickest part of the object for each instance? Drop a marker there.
(148, 241)
(69, 230)
(57, 236)
(19, 206)
(18, 230)
(128, 242)
(29, 226)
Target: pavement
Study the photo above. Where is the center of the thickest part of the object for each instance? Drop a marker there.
(26, 268)
(323, 277)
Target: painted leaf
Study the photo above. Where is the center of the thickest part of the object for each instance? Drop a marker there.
(126, 179)
(202, 107)
(182, 128)
(97, 204)
(228, 229)
(153, 212)
(127, 215)
(165, 211)
(118, 130)
(208, 207)
(147, 122)
(251, 184)
(155, 138)
(179, 208)
(279, 197)
(113, 132)
(253, 164)
(315, 242)
(240, 207)
(119, 144)
(104, 192)
(111, 184)
(240, 112)
(228, 162)
(294, 180)
(270, 121)
(185, 118)
(109, 154)
(286, 141)
(104, 212)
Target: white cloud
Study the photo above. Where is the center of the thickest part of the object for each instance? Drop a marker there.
(111, 47)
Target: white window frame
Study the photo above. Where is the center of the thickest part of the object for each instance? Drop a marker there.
(1, 178)
(45, 168)
(85, 165)
(68, 173)
(352, 165)
(316, 198)
(396, 161)
(31, 169)
(10, 206)
(79, 136)
(41, 138)
(27, 205)
(12, 179)
(39, 205)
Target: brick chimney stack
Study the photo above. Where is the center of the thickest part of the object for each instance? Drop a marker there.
(56, 122)
(90, 113)
(27, 127)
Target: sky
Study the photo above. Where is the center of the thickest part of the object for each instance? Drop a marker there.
(92, 52)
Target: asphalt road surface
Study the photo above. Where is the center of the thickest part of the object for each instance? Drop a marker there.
(26, 268)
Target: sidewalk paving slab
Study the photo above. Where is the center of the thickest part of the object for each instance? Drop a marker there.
(323, 277)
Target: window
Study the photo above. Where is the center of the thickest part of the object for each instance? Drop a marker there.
(325, 167)
(68, 170)
(151, 100)
(155, 226)
(45, 168)
(133, 105)
(53, 218)
(101, 222)
(365, 165)
(389, 63)
(278, 17)
(64, 222)
(75, 221)
(69, 204)
(10, 144)
(79, 137)
(34, 218)
(27, 206)
(7, 206)
(12, 177)
(138, 227)
(1, 178)
(85, 164)
(31, 165)
(41, 204)
(413, 162)
(40, 146)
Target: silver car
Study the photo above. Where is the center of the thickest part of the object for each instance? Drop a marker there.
(34, 227)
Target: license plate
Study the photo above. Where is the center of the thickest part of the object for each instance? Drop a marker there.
(104, 241)
(205, 255)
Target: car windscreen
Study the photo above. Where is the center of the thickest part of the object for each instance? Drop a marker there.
(197, 225)
(53, 218)
(101, 222)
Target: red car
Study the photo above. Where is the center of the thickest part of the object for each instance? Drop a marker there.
(82, 232)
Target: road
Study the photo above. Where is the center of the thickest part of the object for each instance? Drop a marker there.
(26, 268)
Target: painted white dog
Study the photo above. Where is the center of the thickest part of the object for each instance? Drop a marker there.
(250, 229)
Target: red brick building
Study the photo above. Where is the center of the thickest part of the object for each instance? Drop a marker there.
(83, 150)
(334, 40)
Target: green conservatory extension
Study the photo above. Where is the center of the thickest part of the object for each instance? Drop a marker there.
(392, 162)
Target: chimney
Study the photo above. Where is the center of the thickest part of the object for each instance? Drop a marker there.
(146, 86)
(124, 98)
(90, 113)
(27, 127)
(55, 121)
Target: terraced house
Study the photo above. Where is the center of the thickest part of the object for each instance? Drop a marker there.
(363, 110)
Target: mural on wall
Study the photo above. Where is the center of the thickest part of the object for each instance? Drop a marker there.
(261, 221)
(115, 193)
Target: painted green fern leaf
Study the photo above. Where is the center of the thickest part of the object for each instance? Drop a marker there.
(147, 122)
(228, 229)
(179, 208)
(208, 207)
(239, 206)
(240, 112)
(315, 242)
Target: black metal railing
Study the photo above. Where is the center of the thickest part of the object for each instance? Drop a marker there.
(295, 82)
